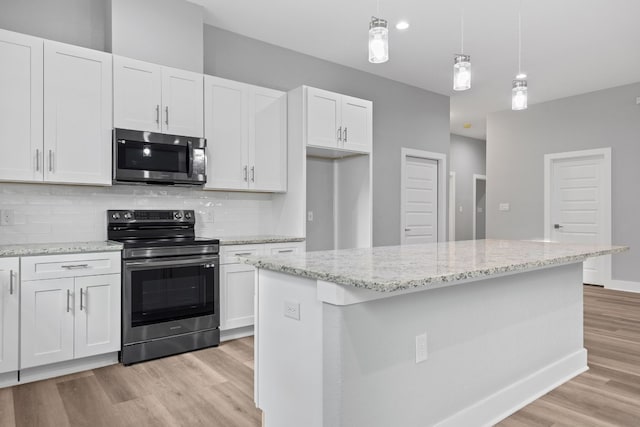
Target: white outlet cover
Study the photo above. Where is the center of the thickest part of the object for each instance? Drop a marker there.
(504, 207)
(292, 310)
(310, 216)
(421, 348)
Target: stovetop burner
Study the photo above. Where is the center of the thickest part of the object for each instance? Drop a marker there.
(155, 228)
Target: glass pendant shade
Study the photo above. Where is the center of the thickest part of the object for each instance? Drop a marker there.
(378, 41)
(461, 72)
(519, 95)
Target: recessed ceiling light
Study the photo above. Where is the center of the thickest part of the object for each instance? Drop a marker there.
(402, 25)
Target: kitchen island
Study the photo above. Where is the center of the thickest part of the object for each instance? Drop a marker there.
(448, 334)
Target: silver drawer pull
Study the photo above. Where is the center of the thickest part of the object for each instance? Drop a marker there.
(284, 251)
(243, 253)
(10, 282)
(81, 298)
(76, 266)
(68, 296)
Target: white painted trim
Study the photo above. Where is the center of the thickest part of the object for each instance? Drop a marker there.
(8, 379)
(452, 206)
(235, 333)
(605, 153)
(442, 188)
(476, 177)
(67, 367)
(519, 394)
(623, 285)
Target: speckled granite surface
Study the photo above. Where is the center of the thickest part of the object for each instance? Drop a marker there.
(260, 239)
(392, 268)
(29, 249)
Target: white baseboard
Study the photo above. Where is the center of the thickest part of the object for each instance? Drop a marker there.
(518, 395)
(8, 379)
(623, 285)
(234, 334)
(68, 367)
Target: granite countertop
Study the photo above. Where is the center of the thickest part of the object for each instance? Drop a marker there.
(29, 249)
(393, 268)
(258, 239)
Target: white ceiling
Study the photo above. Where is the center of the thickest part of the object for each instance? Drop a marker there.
(569, 46)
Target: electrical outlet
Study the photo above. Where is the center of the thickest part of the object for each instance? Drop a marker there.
(310, 216)
(292, 310)
(7, 217)
(504, 207)
(460, 208)
(421, 348)
(638, 100)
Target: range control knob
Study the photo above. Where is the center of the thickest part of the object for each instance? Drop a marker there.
(115, 215)
(127, 215)
(177, 215)
(187, 215)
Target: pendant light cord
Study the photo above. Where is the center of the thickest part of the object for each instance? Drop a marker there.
(378, 8)
(462, 32)
(520, 39)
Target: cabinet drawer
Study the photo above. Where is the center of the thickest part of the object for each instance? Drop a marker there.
(73, 265)
(285, 248)
(229, 254)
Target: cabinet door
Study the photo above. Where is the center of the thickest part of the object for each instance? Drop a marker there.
(323, 118)
(227, 133)
(356, 124)
(267, 139)
(9, 327)
(20, 107)
(182, 98)
(137, 89)
(97, 318)
(46, 313)
(236, 295)
(77, 114)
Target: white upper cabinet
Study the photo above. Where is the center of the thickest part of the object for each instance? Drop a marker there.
(21, 75)
(182, 95)
(137, 99)
(9, 314)
(245, 127)
(338, 121)
(77, 114)
(155, 98)
(267, 139)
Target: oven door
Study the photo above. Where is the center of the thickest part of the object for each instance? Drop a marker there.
(169, 296)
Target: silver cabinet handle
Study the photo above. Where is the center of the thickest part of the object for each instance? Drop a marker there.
(166, 115)
(158, 113)
(81, 297)
(76, 266)
(407, 229)
(557, 226)
(37, 160)
(68, 297)
(285, 251)
(339, 134)
(245, 173)
(253, 174)
(10, 282)
(243, 254)
(50, 160)
(345, 134)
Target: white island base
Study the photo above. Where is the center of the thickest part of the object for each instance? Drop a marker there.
(493, 345)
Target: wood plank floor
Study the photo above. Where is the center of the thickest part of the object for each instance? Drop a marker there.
(214, 387)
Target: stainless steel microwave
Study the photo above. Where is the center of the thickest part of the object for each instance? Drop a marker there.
(156, 158)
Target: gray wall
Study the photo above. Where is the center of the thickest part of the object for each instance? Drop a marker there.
(166, 32)
(320, 197)
(481, 209)
(468, 157)
(79, 22)
(403, 116)
(517, 142)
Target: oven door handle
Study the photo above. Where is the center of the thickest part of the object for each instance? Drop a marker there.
(204, 262)
(189, 158)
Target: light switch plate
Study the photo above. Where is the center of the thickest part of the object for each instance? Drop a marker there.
(292, 310)
(504, 207)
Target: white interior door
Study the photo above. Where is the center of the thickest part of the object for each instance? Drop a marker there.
(577, 213)
(420, 201)
(452, 206)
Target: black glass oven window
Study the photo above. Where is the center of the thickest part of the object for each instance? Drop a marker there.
(135, 155)
(172, 293)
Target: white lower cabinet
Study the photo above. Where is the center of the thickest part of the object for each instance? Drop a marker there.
(70, 307)
(9, 311)
(237, 282)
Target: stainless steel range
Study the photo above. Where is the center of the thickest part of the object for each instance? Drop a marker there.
(170, 283)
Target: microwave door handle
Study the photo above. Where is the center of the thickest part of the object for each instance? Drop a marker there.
(189, 158)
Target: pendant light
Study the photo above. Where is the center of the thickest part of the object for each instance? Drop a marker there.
(461, 64)
(519, 93)
(378, 38)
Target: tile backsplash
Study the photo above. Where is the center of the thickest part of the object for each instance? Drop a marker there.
(46, 213)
